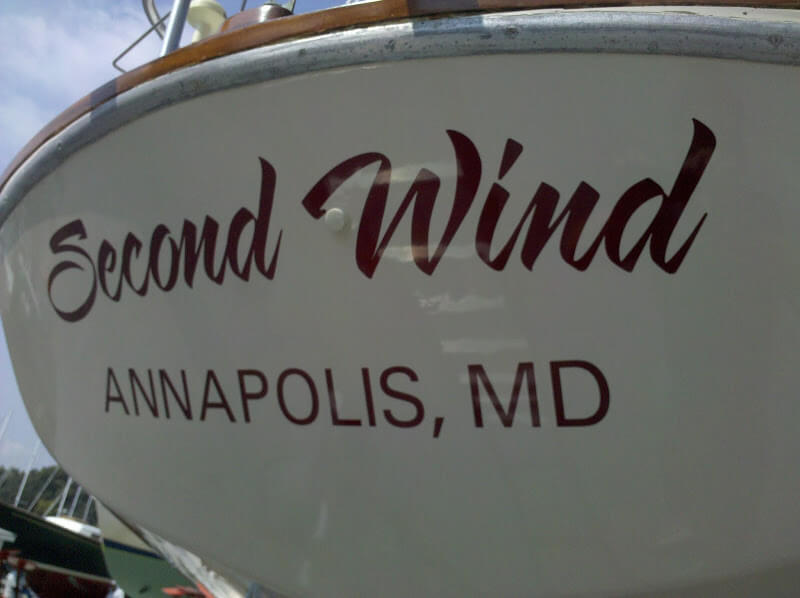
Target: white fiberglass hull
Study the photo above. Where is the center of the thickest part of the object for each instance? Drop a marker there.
(141, 572)
(134, 566)
(477, 398)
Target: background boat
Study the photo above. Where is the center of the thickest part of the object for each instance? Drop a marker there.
(139, 570)
(57, 561)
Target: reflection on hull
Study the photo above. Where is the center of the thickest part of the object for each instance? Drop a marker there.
(134, 566)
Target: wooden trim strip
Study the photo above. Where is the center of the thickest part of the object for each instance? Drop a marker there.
(245, 37)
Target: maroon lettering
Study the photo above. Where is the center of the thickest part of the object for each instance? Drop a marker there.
(337, 421)
(368, 396)
(402, 396)
(130, 250)
(672, 206)
(422, 193)
(106, 262)
(58, 245)
(222, 403)
(150, 400)
(160, 234)
(576, 212)
(192, 247)
(506, 415)
(117, 398)
(437, 426)
(247, 395)
(492, 208)
(602, 384)
(541, 210)
(312, 414)
(185, 405)
(184, 254)
(199, 251)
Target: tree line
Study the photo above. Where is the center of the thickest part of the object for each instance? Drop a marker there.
(47, 497)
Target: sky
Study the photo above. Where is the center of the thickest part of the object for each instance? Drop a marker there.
(53, 53)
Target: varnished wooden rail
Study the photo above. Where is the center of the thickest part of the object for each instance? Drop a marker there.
(244, 31)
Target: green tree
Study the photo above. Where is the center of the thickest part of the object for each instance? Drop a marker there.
(50, 495)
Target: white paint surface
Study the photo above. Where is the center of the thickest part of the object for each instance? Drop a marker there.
(690, 478)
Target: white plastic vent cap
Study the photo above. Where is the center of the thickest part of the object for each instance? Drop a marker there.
(207, 17)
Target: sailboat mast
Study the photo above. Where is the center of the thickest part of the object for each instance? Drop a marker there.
(64, 496)
(74, 501)
(27, 472)
(6, 419)
(43, 488)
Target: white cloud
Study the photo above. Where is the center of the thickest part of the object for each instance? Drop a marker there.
(69, 52)
(14, 454)
(20, 119)
(52, 59)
